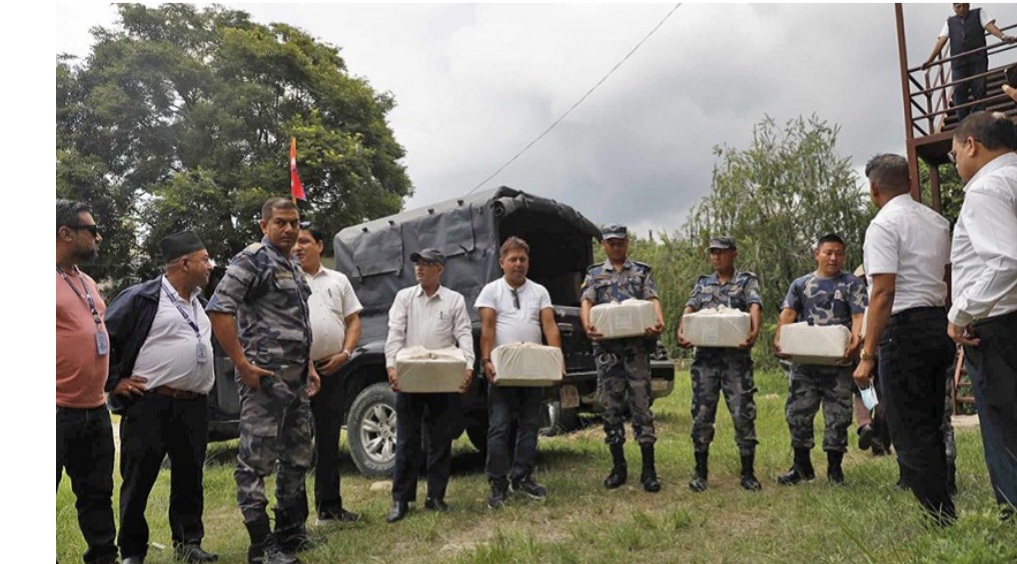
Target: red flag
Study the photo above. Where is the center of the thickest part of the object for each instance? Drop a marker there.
(296, 188)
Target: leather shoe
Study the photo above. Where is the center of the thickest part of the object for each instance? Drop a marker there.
(342, 516)
(398, 511)
(134, 560)
(193, 553)
(436, 504)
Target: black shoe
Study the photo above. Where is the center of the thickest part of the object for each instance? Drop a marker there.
(530, 488)
(193, 553)
(617, 477)
(398, 511)
(834, 471)
(801, 471)
(499, 493)
(133, 560)
(342, 516)
(269, 552)
(435, 504)
(698, 482)
(865, 436)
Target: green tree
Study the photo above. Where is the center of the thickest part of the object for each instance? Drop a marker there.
(182, 119)
(951, 190)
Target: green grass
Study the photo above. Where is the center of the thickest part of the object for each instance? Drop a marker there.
(581, 522)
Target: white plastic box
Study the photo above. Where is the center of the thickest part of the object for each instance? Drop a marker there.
(815, 344)
(617, 320)
(526, 364)
(719, 327)
(423, 371)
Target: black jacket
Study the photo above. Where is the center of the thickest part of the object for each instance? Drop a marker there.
(128, 320)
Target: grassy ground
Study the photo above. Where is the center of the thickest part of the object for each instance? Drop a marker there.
(581, 522)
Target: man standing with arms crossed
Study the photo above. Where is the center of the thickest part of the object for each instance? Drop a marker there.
(160, 375)
(513, 309)
(265, 289)
(907, 258)
(984, 313)
(84, 435)
(335, 330)
(434, 317)
(728, 370)
(623, 365)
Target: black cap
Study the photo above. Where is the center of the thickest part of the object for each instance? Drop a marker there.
(722, 243)
(428, 255)
(615, 231)
(179, 244)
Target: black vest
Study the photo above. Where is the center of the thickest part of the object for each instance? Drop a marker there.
(966, 34)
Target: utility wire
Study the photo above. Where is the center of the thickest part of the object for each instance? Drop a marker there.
(580, 101)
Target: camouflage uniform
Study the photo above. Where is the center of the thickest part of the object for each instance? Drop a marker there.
(728, 370)
(268, 294)
(623, 365)
(822, 301)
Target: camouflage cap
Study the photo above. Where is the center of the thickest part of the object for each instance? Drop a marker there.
(428, 255)
(614, 231)
(722, 243)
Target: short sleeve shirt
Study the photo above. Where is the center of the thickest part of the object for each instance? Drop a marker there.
(267, 292)
(826, 301)
(740, 292)
(332, 300)
(604, 284)
(517, 317)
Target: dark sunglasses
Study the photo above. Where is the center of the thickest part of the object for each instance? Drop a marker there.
(93, 229)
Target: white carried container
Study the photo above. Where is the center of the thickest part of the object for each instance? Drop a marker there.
(815, 344)
(718, 327)
(617, 320)
(430, 371)
(526, 364)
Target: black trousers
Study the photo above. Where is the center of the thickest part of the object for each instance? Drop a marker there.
(327, 406)
(914, 354)
(84, 447)
(969, 90)
(508, 406)
(153, 427)
(994, 379)
(437, 413)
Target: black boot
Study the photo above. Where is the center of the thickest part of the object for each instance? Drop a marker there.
(620, 471)
(649, 475)
(698, 482)
(749, 481)
(951, 478)
(264, 548)
(290, 531)
(834, 472)
(801, 471)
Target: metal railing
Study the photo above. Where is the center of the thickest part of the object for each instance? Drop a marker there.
(931, 97)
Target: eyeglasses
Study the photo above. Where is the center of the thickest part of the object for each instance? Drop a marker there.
(93, 229)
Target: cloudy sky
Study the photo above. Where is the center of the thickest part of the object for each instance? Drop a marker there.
(475, 84)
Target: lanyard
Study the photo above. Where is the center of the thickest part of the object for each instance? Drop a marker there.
(183, 312)
(87, 298)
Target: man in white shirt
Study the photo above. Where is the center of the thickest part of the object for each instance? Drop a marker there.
(161, 370)
(907, 256)
(513, 310)
(431, 316)
(984, 314)
(335, 329)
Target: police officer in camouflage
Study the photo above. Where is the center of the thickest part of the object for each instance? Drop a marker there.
(269, 342)
(728, 370)
(623, 365)
(828, 296)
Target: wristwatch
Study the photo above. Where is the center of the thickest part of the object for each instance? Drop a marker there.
(865, 355)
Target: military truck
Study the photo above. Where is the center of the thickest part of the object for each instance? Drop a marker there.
(469, 231)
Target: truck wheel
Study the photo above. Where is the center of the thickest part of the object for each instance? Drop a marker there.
(371, 431)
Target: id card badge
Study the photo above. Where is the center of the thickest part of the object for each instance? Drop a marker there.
(101, 343)
(200, 353)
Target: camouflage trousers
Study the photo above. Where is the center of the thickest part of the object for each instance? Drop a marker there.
(811, 386)
(275, 428)
(732, 375)
(623, 376)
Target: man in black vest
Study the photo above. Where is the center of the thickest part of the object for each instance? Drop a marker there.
(966, 32)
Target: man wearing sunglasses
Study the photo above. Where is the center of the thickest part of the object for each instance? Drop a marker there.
(513, 310)
(161, 370)
(983, 317)
(84, 435)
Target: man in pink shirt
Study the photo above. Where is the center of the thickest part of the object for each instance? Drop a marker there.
(84, 436)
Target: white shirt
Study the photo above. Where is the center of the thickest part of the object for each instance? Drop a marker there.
(515, 324)
(169, 356)
(913, 242)
(332, 300)
(984, 252)
(432, 322)
(983, 18)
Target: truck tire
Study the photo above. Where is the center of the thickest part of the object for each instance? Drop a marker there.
(371, 431)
